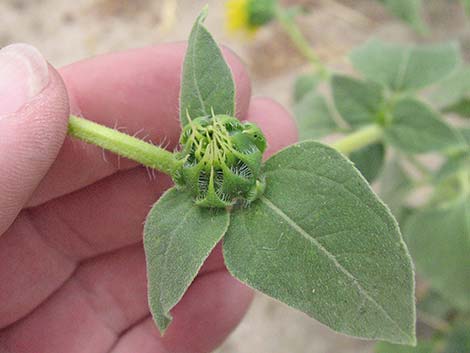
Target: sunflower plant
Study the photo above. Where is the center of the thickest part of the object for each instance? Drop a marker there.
(404, 102)
(303, 227)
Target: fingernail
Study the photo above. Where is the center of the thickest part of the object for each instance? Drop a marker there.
(24, 73)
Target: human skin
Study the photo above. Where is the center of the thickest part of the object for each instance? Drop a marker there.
(72, 266)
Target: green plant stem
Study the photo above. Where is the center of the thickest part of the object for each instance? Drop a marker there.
(157, 158)
(125, 145)
(359, 139)
(303, 46)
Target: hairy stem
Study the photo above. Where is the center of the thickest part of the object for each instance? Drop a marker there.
(359, 139)
(298, 39)
(125, 145)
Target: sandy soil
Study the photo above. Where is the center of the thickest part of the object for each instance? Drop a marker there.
(66, 31)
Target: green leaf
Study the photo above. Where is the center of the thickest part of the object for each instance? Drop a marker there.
(358, 102)
(305, 84)
(453, 90)
(321, 241)
(408, 11)
(207, 82)
(421, 347)
(369, 160)
(314, 117)
(178, 237)
(439, 241)
(402, 67)
(416, 128)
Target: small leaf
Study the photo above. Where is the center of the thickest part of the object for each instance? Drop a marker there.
(402, 67)
(408, 11)
(314, 117)
(178, 237)
(207, 82)
(320, 241)
(416, 128)
(358, 102)
(453, 90)
(305, 84)
(369, 160)
(439, 241)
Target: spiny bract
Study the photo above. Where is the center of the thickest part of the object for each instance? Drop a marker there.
(222, 160)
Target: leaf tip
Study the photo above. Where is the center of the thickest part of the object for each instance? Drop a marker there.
(203, 14)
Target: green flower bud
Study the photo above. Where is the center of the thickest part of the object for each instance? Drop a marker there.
(222, 160)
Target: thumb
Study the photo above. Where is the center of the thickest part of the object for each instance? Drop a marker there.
(33, 124)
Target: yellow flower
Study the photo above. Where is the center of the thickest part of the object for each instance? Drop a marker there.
(249, 15)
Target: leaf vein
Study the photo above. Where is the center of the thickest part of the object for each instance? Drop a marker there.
(331, 257)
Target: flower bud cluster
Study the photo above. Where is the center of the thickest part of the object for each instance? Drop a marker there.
(222, 160)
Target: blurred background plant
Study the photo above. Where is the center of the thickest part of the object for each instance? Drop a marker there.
(316, 57)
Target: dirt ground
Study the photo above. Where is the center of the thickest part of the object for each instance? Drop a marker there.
(67, 31)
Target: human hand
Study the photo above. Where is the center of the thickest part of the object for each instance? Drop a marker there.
(72, 267)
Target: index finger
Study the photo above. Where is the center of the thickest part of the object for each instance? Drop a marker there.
(137, 90)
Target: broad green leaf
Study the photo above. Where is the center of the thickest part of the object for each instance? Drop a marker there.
(178, 237)
(439, 241)
(358, 102)
(408, 11)
(314, 117)
(453, 90)
(321, 241)
(458, 339)
(207, 84)
(416, 128)
(369, 160)
(395, 185)
(421, 347)
(402, 67)
(305, 84)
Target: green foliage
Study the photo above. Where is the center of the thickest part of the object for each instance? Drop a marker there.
(305, 84)
(408, 11)
(317, 238)
(416, 128)
(453, 94)
(405, 68)
(207, 83)
(178, 237)
(438, 238)
(320, 240)
(314, 117)
(358, 102)
(369, 160)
